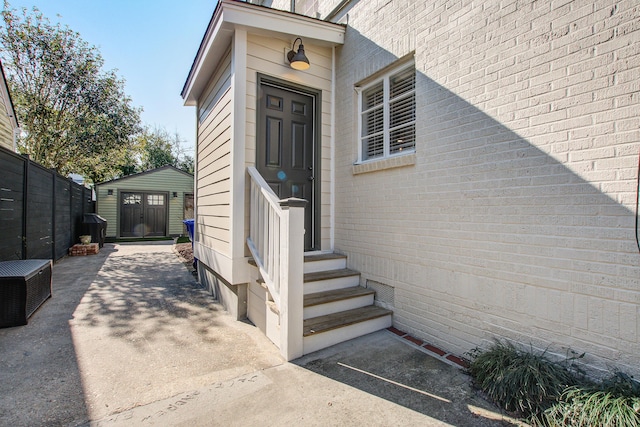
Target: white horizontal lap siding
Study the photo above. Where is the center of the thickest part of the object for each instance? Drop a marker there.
(213, 188)
(6, 130)
(314, 9)
(266, 55)
(517, 218)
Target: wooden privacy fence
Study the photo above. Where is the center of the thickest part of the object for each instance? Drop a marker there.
(41, 211)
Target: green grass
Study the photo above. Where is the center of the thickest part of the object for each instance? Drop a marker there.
(615, 402)
(183, 239)
(521, 382)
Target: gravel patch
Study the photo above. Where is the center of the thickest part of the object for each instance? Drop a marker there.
(185, 253)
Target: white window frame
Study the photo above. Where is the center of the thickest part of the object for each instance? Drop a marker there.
(386, 132)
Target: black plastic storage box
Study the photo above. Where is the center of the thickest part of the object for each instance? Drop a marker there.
(24, 286)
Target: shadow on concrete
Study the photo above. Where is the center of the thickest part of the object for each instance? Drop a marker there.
(117, 303)
(382, 365)
(143, 288)
(40, 381)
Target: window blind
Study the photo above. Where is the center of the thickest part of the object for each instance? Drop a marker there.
(388, 115)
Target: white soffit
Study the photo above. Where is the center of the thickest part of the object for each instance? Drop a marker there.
(231, 15)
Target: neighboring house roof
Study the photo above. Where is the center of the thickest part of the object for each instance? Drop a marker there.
(6, 94)
(150, 171)
(232, 14)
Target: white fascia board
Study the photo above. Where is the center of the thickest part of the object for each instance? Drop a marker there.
(264, 20)
(212, 50)
(231, 15)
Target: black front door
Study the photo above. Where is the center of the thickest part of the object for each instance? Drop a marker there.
(143, 214)
(286, 148)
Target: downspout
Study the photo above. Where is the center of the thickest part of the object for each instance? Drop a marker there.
(332, 184)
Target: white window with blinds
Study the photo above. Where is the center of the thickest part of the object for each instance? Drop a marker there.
(388, 115)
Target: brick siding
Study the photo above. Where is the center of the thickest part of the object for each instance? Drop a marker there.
(516, 218)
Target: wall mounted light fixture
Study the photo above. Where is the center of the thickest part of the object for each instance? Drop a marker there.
(109, 192)
(299, 60)
(175, 194)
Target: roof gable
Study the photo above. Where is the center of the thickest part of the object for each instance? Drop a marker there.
(230, 15)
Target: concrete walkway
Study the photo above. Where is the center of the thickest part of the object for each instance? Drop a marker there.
(129, 338)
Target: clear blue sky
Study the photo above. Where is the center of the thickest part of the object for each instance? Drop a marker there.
(150, 43)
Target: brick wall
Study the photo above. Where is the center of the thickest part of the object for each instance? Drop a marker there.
(516, 216)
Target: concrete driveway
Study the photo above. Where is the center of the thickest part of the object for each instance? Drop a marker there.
(129, 338)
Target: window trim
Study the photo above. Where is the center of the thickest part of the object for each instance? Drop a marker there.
(386, 132)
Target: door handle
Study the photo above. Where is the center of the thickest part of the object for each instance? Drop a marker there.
(311, 178)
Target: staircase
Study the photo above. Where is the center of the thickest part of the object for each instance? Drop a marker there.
(336, 308)
(302, 303)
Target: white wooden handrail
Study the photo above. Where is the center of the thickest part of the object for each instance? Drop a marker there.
(276, 242)
(264, 232)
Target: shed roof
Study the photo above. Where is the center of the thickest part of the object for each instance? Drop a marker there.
(150, 171)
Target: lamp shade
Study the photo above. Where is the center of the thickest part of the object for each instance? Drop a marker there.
(299, 60)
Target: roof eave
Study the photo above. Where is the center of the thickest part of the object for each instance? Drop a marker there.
(147, 172)
(230, 15)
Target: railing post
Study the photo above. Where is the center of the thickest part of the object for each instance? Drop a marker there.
(291, 278)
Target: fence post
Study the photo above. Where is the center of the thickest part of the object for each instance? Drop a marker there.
(72, 238)
(53, 215)
(292, 278)
(25, 197)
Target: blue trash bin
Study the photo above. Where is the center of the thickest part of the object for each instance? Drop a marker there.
(190, 224)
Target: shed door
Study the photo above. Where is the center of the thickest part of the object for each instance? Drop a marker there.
(143, 214)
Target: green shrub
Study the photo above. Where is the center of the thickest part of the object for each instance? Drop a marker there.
(519, 381)
(613, 403)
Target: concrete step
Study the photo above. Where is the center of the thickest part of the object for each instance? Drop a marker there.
(325, 331)
(330, 280)
(328, 302)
